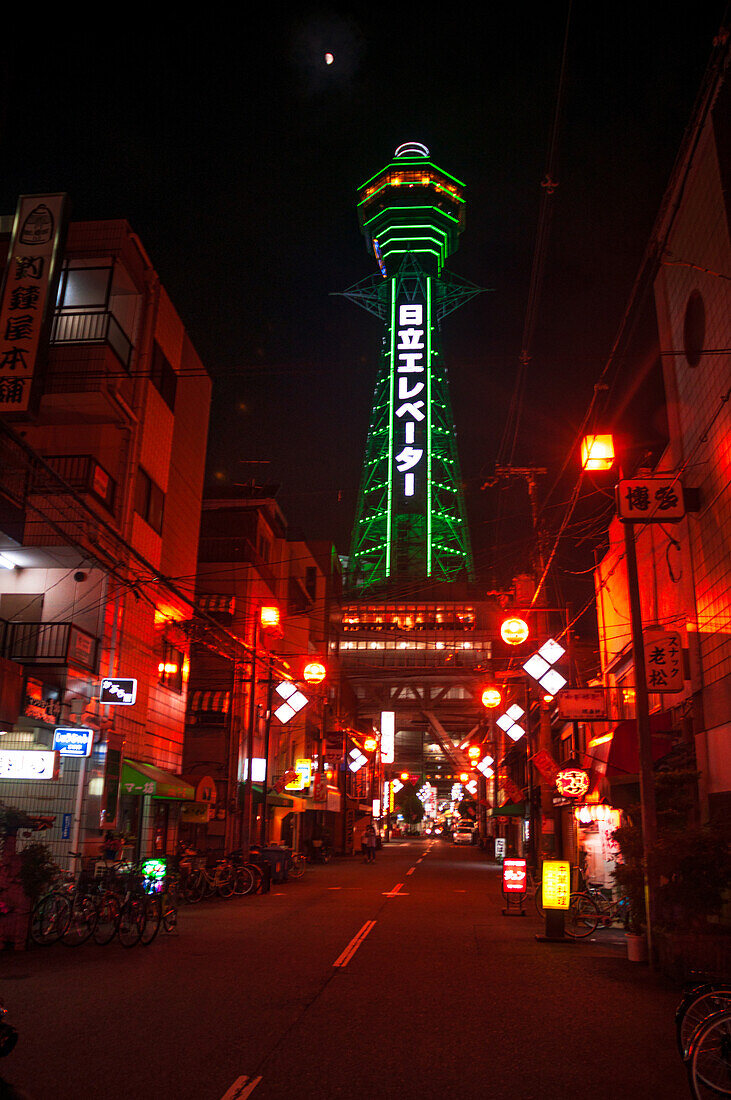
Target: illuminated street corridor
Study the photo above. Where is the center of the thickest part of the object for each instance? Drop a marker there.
(400, 979)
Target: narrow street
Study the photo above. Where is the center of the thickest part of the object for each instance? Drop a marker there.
(401, 979)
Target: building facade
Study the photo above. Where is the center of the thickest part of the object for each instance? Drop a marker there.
(98, 526)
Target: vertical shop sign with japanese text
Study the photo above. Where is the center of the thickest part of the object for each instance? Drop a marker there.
(410, 404)
(29, 297)
(663, 660)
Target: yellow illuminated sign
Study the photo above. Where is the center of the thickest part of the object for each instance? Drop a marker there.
(556, 884)
(304, 775)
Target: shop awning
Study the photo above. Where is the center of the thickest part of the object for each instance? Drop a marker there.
(511, 809)
(619, 754)
(140, 778)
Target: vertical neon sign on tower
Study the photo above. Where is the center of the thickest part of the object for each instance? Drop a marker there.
(411, 520)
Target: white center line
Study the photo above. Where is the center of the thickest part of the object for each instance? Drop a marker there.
(241, 1088)
(395, 893)
(411, 870)
(344, 958)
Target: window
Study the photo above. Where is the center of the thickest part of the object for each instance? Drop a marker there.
(149, 500)
(163, 377)
(311, 581)
(84, 288)
(170, 668)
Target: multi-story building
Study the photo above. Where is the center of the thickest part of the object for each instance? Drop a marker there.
(684, 570)
(99, 514)
(275, 593)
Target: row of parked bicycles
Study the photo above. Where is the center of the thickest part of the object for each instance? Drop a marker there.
(107, 901)
(131, 903)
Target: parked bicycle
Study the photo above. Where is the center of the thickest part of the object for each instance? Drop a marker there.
(204, 882)
(703, 1028)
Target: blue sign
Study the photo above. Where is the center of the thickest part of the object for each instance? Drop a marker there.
(65, 826)
(75, 741)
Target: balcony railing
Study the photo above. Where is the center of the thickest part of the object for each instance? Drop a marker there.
(50, 644)
(92, 327)
(81, 472)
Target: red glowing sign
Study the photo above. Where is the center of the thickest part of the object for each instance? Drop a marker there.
(572, 782)
(515, 876)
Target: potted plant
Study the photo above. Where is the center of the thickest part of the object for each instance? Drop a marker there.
(629, 877)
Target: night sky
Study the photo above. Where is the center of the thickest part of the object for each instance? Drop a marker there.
(235, 152)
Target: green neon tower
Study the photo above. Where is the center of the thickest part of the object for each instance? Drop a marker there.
(411, 523)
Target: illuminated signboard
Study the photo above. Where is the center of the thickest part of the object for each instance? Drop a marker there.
(410, 403)
(572, 782)
(118, 692)
(388, 727)
(303, 769)
(515, 876)
(74, 741)
(27, 764)
(556, 884)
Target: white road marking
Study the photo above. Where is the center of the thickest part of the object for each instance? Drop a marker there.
(344, 958)
(411, 870)
(241, 1088)
(395, 893)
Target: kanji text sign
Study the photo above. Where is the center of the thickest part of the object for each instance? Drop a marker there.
(650, 500)
(515, 876)
(28, 294)
(118, 692)
(663, 660)
(582, 704)
(556, 884)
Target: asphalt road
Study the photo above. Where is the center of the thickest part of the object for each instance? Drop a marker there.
(400, 979)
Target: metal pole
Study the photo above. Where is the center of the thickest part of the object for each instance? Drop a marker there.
(642, 711)
(267, 732)
(248, 790)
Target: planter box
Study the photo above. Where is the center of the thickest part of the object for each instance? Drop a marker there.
(685, 955)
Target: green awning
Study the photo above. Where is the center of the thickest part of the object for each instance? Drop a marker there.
(140, 778)
(513, 809)
(257, 795)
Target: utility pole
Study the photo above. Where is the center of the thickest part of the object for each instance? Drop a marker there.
(642, 711)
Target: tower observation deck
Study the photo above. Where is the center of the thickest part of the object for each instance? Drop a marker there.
(411, 523)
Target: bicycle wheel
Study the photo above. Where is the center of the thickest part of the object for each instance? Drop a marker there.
(225, 882)
(195, 887)
(243, 880)
(50, 918)
(107, 916)
(82, 921)
(696, 1007)
(152, 919)
(131, 922)
(169, 911)
(582, 917)
(709, 1057)
(297, 867)
(538, 900)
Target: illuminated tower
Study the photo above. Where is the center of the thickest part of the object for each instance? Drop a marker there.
(411, 523)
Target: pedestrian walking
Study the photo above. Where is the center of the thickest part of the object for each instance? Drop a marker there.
(369, 840)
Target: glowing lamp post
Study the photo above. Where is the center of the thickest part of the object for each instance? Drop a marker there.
(491, 698)
(514, 630)
(314, 673)
(597, 452)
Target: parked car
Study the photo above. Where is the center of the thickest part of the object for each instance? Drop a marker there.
(464, 832)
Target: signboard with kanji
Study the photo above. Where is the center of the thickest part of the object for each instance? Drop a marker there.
(511, 789)
(29, 295)
(546, 765)
(515, 876)
(556, 884)
(582, 704)
(663, 660)
(650, 500)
